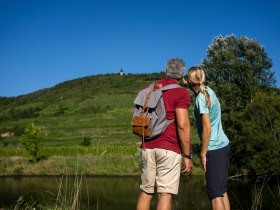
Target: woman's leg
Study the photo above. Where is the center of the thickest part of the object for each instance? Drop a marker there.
(221, 203)
(217, 177)
(218, 203)
(226, 201)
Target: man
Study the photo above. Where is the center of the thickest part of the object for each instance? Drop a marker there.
(162, 156)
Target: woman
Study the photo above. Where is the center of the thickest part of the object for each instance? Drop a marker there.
(215, 148)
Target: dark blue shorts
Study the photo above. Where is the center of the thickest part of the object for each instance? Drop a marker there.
(217, 163)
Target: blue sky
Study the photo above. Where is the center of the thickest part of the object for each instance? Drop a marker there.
(45, 42)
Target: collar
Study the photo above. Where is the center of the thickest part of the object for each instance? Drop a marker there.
(165, 81)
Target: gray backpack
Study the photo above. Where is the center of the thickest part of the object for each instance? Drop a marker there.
(149, 117)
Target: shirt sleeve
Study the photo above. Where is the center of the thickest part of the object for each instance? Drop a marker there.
(183, 100)
(201, 105)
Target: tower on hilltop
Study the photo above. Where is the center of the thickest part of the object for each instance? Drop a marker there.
(122, 72)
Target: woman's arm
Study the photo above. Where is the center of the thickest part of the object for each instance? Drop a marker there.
(206, 133)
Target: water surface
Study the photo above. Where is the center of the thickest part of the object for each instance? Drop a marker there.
(120, 193)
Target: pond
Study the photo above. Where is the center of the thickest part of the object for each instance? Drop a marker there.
(120, 193)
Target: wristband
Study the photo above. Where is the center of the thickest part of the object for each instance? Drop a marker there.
(187, 156)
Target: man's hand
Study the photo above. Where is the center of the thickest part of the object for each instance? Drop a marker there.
(188, 165)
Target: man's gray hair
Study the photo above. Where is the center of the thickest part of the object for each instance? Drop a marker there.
(175, 68)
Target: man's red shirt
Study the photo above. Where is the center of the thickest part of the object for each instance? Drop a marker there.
(173, 98)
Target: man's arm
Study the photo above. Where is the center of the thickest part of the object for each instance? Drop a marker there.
(184, 132)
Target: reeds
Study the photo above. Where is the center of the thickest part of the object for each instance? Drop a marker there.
(68, 197)
(257, 196)
(258, 192)
(21, 205)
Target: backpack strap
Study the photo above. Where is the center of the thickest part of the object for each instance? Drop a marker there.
(171, 86)
(143, 112)
(168, 87)
(146, 101)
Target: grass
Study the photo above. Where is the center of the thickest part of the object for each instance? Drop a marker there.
(59, 160)
(69, 130)
(73, 150)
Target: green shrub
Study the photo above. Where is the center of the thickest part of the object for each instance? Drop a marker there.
(18, 170)
(86, 141)
(5, 143)
(31, 140)
(18, 130)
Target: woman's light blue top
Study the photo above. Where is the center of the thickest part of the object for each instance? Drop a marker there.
(218, 138)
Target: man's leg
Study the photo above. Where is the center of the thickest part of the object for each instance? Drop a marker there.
(144, 201)
(168, 177)
(164, 201)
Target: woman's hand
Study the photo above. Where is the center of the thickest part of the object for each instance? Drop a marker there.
(203, 162)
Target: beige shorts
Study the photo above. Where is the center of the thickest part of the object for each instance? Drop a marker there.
(161, 169)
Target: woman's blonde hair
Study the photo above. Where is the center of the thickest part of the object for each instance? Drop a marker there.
(196, 76)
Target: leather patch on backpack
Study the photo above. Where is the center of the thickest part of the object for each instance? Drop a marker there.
(141, 126)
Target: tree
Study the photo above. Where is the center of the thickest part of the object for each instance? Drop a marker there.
(31, 140)
(239, 70)
(257, 148)
(240, 67)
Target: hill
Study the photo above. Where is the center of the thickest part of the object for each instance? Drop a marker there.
(99, 107)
